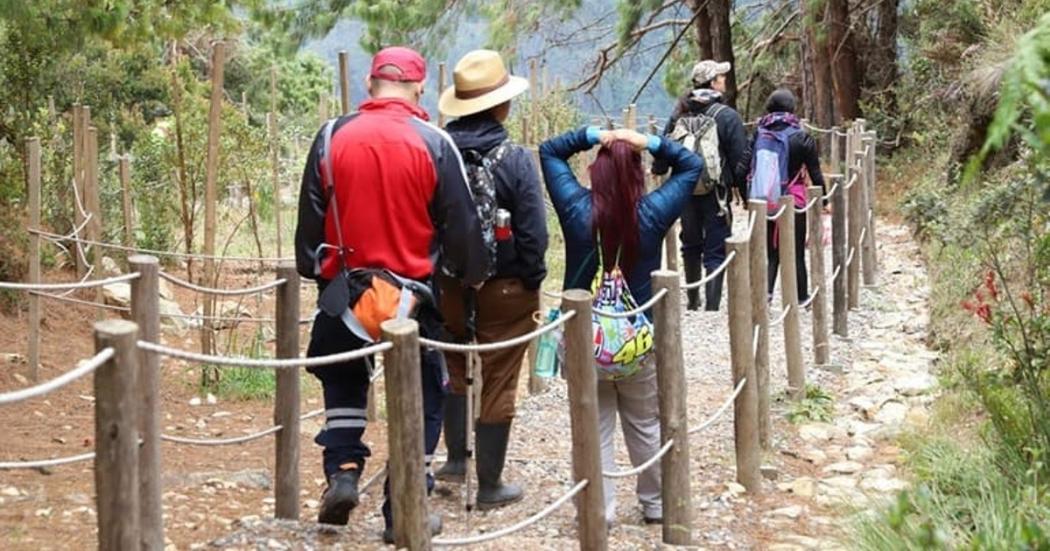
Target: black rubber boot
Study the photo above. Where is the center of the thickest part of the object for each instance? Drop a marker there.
(491, 455)
(340, 497)
(435, 528)
(714, 293)
(455, 466)
(694, 271)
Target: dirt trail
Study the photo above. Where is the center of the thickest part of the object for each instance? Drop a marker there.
(880, 381)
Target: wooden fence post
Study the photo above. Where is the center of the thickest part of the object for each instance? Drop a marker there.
(836, 151)
(789, 298)
(116, 436)
(145, 312)
(218, 60)
(871, 261)
(404, 405)
(840, 309)
(94, 209)
(286, 399)
(442, 79)
(671, 384)
(344, 81)
(854, 214)
(124, 172)
(745, 407)
(33, 152)
(818, 285)
(78, 184)
(759, 271)
(583, 413)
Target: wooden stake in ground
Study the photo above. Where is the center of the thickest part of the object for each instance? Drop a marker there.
(124, 172)
(404, 405)
(840, 307)
(94, 210)
(854, 215)
(789, 298)
(344, 81)
(275, 161)
(671, 385)
(78, 185)
(818, 286)
(583, 413)
(117, 437)
(286, 399)
(442, 78)
(759, 272)
(218, 60)
(745, 407)
(145, 310)
(836, 151)
(868, 216)
(33, 152)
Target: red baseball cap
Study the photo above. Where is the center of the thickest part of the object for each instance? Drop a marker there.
(412, 66)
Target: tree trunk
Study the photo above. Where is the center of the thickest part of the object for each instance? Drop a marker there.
(886, 46)
(722, 43)
(703, 28)
(822, 112)
(843, 60)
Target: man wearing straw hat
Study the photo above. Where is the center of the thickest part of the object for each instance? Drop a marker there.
(384, 195)
(507, 189)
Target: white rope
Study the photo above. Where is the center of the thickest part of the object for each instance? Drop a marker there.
(375, 478)
(278, 363)
(72, 285)
(782, 317)
(774, 217)
(840, 133)
(754, 341)
(631, 313)
(42, 463)
(58, 382)
(831, 193)
(649, 463)
(714, 273)
(863, 232)
(852, 180)
(849, 259)
(235, 439)
(499, 345)
(818, 129)
(809, 300)
(480, 538)
(114, 246)
(87, 276)
(751, 223)
(222, 292)
(194, 317)
(808, 206)
(721, 409)
(835, 274)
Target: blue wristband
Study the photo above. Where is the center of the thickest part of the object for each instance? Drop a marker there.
(654, 143)
(592, 134)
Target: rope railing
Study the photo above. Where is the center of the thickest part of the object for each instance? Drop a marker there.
(713, 274)
(234, 439)
(640, 468)
(775, 216)
(754, 341)
(808, 206)
(221, 292)
(721, 409)
(809, 301)
(849, 259)
(87, 275)
(631, 313)
(751, 220)
(852, 180)
(70, 285)
(830, 194)
(168, 254)
(44, 463)
(62, 380)
(499, 345)
(191, 317)
(863, 232)
(812, 128)
(278, 363)
(783, 316)
(835, 274)
(518, 526)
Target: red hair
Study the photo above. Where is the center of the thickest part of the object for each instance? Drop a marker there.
(617, 184)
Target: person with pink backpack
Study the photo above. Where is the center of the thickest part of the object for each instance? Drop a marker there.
(784, 160)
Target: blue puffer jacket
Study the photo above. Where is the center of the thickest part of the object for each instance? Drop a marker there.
(657, 210)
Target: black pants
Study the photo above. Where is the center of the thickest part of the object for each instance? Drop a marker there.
(773, 254)
(346, 394)
(705, 228)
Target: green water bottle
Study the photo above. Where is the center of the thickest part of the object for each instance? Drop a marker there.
(546, 362)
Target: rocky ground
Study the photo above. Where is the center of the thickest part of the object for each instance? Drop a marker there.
(818, 474)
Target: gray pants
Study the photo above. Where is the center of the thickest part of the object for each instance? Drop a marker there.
(636, 400)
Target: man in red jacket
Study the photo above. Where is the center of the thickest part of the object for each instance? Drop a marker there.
(382, 190)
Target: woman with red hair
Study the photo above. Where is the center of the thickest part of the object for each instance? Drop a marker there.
(630, 225)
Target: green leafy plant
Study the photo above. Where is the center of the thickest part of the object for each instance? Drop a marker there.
(816, 405)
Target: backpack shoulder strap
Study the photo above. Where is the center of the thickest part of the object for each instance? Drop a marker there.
(326, 159)
(716, 107)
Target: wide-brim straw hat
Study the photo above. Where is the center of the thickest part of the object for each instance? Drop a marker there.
(480, 82)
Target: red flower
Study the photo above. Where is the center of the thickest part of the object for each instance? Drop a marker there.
(989, 283)
(1027, 298)
(984, 312)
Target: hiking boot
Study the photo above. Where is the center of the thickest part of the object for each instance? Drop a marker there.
(694, 270)
(653, 520)
(340, 497)
(435, 528)
(714, 293)
(455, 467)
(491, 456)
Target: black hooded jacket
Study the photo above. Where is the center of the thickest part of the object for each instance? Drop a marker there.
(518, 190)
(732, 139)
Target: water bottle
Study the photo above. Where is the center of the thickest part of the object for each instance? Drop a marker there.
(546, 361)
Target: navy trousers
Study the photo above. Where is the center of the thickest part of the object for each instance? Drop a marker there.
(704, 230)
(346, 385)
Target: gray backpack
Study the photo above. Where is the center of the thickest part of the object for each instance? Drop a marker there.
(699, 134)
